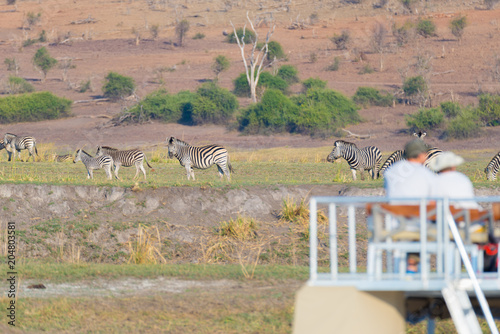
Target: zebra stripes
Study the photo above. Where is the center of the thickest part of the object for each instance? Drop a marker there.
(367, 158)
(103, 162)
(492, 168)
(13, 143)
(391, 160)
(200, 157)
(126, 158)
(63, 158)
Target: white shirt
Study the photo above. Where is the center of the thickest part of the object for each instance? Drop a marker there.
(406, 179)
(454, 184)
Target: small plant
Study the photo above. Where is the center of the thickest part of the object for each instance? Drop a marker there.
(367, 69)
(118, 86)
(248, 39)
(299, 214)
(181, 30)
(335, 66)
(146, 248)
(18, 85)
(33, 19)
(84, 86)
(457, 27)
(221, 64)
(42, 38)
(313, 57)
(199, 35)
(426, 28)
(409, 4)
(43, 61)
(341, 41)
(12, 65)
(405, 33)
(241, 228)
(313, 18)
(154, 30)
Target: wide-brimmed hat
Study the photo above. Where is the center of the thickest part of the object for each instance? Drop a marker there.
(446, 160)
(415, 147)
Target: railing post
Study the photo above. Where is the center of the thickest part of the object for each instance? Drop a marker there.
(313, 239)
(424, 267)
(351, 214)
(332, 219)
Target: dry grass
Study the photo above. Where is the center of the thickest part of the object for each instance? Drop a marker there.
(283, 154)
(146, 248)
(241, 228)
(298, 214)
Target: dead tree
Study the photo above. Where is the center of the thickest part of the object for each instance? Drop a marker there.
(255, 62)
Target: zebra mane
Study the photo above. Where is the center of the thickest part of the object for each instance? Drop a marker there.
(83, 151)
(180, 142)
(343, 142)
(109, 148)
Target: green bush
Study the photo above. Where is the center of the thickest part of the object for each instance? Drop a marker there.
(33, 107)
(249, 36)
(118, 86)
(404, 33)
(425, 119)
(267, 80)
(341, 40)
(214, 105)
(18, 85)
(199, 35)
(275, 51)
(43, 61)
(367, 69)
(335, 66)
(368, 96)
(426, 28)
(489, 109)
(465, 125)
(450, 109)
(414, 85)
(314, 83)
(162, 106)
(288, 73)
(457, 26)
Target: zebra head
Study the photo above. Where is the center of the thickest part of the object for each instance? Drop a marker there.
(78, 156)
(99, 152)
(172, 147)
(490, 175)
(420, 134)
(336, 153)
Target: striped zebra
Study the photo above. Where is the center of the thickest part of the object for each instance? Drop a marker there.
(126, 158)
(14, 143)
(367, 158)
(492, 168)
(103, 162)
(200, 157)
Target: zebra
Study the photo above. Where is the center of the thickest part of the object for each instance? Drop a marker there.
(13, 143)
(126, 158)
(200, 157)
(492, 168)
(367, 158)
(103, 162)
(63, 158)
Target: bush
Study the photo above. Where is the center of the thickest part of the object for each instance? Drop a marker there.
(214, 105)
(18, 85)
(199, 35)
(44, 61)
(275, 51)
(221, 64)
(335, 66)
(489, 109)
(457, 26)
(450, 109)
(465, 125)
(118, 86)
(426, 28)
(368, 96)
(425, 119)
(33, 107)
(267, 80)
(181, 30)
(414, 85)
(249, 36)
(313, 83)
(162, 106)
(405, 33)
(490, 4)
(367, 69)
(341, 40)
(288, 73)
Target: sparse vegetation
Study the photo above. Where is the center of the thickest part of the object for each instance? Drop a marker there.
(313, 57)
(118, 86)
(490, 4)
(426, 28)
(43, 61)
(241, 228)
(368, 96)
(366, 69)
(221, 64)
(199, 35)
(154, 30)
(405, 33)
(341, 41)
(181, 30)
(248, 39)
(18, 85)
(457, 26)
(12, 64)
(335, 65)
(33, 19)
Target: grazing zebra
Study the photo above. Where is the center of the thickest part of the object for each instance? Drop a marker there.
(368, 158)
(14, 143)
(492, 169)
(200, 157)
(103, 162)
(126, 158)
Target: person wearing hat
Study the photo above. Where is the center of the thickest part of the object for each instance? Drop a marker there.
(452, 184)
(409, 178)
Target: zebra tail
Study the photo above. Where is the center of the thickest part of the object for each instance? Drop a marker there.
(231, 169)
(36, 151)
(147, 163)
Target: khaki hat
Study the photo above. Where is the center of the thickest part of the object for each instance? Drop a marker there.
(414, 147)
(445, 160)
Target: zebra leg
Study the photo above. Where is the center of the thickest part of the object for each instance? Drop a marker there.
(143, 171)
(117, 167)
(10, 156)
(188, 171)
(30, 150)
(192, 173)
(108, 171)
(90, 174)
(224, 170)
(353, 171)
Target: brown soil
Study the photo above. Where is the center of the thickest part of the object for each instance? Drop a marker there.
(459, 70)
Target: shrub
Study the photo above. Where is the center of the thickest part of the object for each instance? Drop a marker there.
(214, 105)
(313, 83)
(426, 28)
(199, 35)
(267, 80)
(490, 4)
(84, 86)
(341, 40)
(450, 109)
(181, 30)
(489, 109)
(33, 107)
(313, 57)
(335, 65)
(457, 26)
(162, 106)
(32, 18)
(465, 125)
(405, 33)
(249, 36)
(367, 69)
(154, 30)
(18, 85)
(425, 119)
(288, 73)
(408, 4)
(275, 51)
(221, 64)
(118, 86)
(12, 64)
(414, 85)
(368, 96)
(43, 61)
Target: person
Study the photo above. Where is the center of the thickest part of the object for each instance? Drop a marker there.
(452, 184)
(409, 178)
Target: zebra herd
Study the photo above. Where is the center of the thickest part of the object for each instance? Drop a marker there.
(366, 159)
